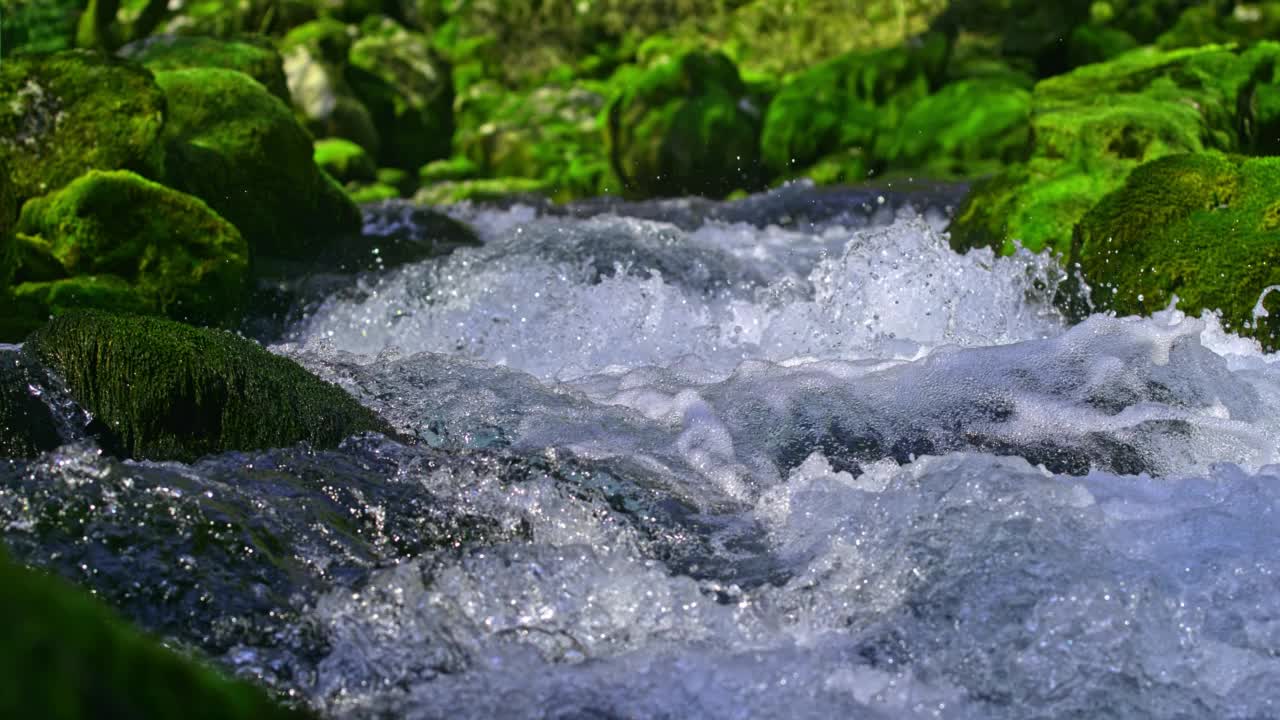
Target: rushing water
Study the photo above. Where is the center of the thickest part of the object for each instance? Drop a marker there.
(740, 463)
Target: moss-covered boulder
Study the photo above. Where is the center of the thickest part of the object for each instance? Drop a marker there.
(407, 90)
(1207, 23)
(551, 134)
(482, 190)
(684, 127)
(171, 391)
(251, 55)
(175, 255)
(239, 148)
(315, 66)
(27, 427)
(1205, 228)
(966, 129)
(345, 160)
(1092, 126)
(846, 102)
(66, 656)
(64, 114)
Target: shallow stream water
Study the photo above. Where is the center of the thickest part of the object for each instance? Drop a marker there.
(791, 457)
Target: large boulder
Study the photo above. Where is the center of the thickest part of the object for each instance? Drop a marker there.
(315, 66)
(407, 90)
(1205, 228)
(237, 147)
(175, 256)
(1092, 126)
(64, 114)
(251, 55)
(684, 127)
(168, 391)
(72, 658)
(848, 101)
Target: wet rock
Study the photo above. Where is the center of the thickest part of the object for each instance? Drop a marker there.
(27, 427)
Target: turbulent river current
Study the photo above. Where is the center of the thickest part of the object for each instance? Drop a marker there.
(790, 457)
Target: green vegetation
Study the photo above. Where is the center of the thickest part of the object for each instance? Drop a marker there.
(175, 256)
(1203, 227)
(684, 127)
(66, 656)
(254, 56)
(64, 114)
(238, 148)
(345, 161)
(168, 391)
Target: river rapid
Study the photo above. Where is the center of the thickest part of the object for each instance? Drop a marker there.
(790, 457)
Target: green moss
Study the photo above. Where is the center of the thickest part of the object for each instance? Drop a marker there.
(1094, 44)
(458, 167)
(551, 134)
(372, 192)
(238, 148)
(71, 657)
(1092, 126)
(178, 257)
(482, 190)
(1203, 227)
(843, 167)
(405, 182)
(848, 101)
(171, 391)
(407, 89)
(684, 127)
(255, 57)
(966, 129)
(344, 160)
(64, 114)
(1221, 22)
(37, 26)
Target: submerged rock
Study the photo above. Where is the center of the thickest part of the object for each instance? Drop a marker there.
(170, 252)
(253, 56)
(70, 657)
(66, 113)
(685, 127)
(168, 391)
(1205, 228)
(238, 148)
(27, 427)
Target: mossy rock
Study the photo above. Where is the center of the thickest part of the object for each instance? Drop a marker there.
(228, 19)
(239, 148)
(458, 167)
(846, 102)
(1091, 44)
(27, 427)
(1205, 228)
(483, 190)
(70, 657)
(550, 133)
(64, 114)
(685, 127)
(8, 217)
(176, 256)
(315, 66)
(966, 129)
(407, 89)
(1092, 126)
(345, 160)
(363, 193)
(169, 391)
(255, 57)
